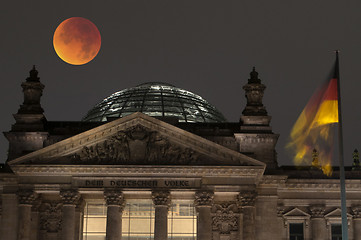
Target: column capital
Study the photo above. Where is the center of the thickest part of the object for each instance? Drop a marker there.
(114, 197)
(26, 196)
(204, 198)
(36, 204)
(69, 196)
(246, 198)
(161, 198)
(356, 211)
(317, 211)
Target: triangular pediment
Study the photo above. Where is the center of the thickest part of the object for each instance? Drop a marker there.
(137, 140)
(296, 212)
(337, 213)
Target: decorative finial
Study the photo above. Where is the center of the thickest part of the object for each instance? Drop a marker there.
(33, 75)
(315, 162)
(356, 160)
(254, 76)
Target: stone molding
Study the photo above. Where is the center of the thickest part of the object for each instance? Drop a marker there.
(270, 179)
(356, 211)
(50, 216)
(204, 198)
(225, 217)
(26, 196)
(246, 199)
(161, 198)
(322, 184)
(317, 211)
(60, 170)
(114, 197)
(69, 196)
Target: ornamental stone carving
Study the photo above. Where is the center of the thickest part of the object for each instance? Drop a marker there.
(246, 199)
(161, 198)
(204, 198)
(36, 204)
(280, 210)
(26, 196)
(70, 196)
(317, 211)
(136, 145)
(50, 216)
(356, 211)
(225, 217)
(114, 197)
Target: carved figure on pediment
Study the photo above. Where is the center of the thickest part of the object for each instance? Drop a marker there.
(50, 216)
(136, 145)
(156, 148)
(225, 217)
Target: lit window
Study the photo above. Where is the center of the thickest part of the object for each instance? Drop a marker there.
(336, 231)
(138, 220)
(95, 220)
(296, 231)
(182, 220)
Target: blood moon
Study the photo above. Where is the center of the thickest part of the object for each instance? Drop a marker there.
(77, 41)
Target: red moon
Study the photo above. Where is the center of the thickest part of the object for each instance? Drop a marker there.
(77, 41)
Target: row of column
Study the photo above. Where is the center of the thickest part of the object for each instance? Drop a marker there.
(70, 218)
(162, 200)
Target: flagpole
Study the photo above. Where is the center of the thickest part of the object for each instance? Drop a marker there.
(340, 145)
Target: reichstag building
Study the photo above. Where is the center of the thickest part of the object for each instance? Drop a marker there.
(159, 162)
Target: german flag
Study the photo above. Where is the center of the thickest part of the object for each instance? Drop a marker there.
(314, 127)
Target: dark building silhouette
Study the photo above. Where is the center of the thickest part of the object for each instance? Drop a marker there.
(159, 162)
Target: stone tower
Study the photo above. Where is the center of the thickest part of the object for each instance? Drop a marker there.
(28, 133)
(256, 136)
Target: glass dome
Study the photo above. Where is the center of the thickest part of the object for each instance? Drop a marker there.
(157, 100)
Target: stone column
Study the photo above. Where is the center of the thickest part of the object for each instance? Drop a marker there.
(26, 200)
(115, 205)
(246, 201)
(203, 202)
(356, 210)
(35, 220)
(161, 200)
(318, 222)
(79, 211)
(9, 225)
(70, 198)
(281, 226)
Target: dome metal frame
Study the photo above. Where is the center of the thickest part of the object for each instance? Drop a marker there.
(155, 99)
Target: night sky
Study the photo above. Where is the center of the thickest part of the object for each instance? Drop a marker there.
(207, 47)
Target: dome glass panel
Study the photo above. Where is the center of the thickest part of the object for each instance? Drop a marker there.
(156, 100)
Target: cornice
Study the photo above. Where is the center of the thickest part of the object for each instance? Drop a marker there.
(313, 184)
(139, 170)
(273, 179)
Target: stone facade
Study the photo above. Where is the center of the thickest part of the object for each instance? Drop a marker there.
(229, 171)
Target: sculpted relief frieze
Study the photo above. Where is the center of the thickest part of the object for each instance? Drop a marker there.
(225, 217)
(136, 145)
